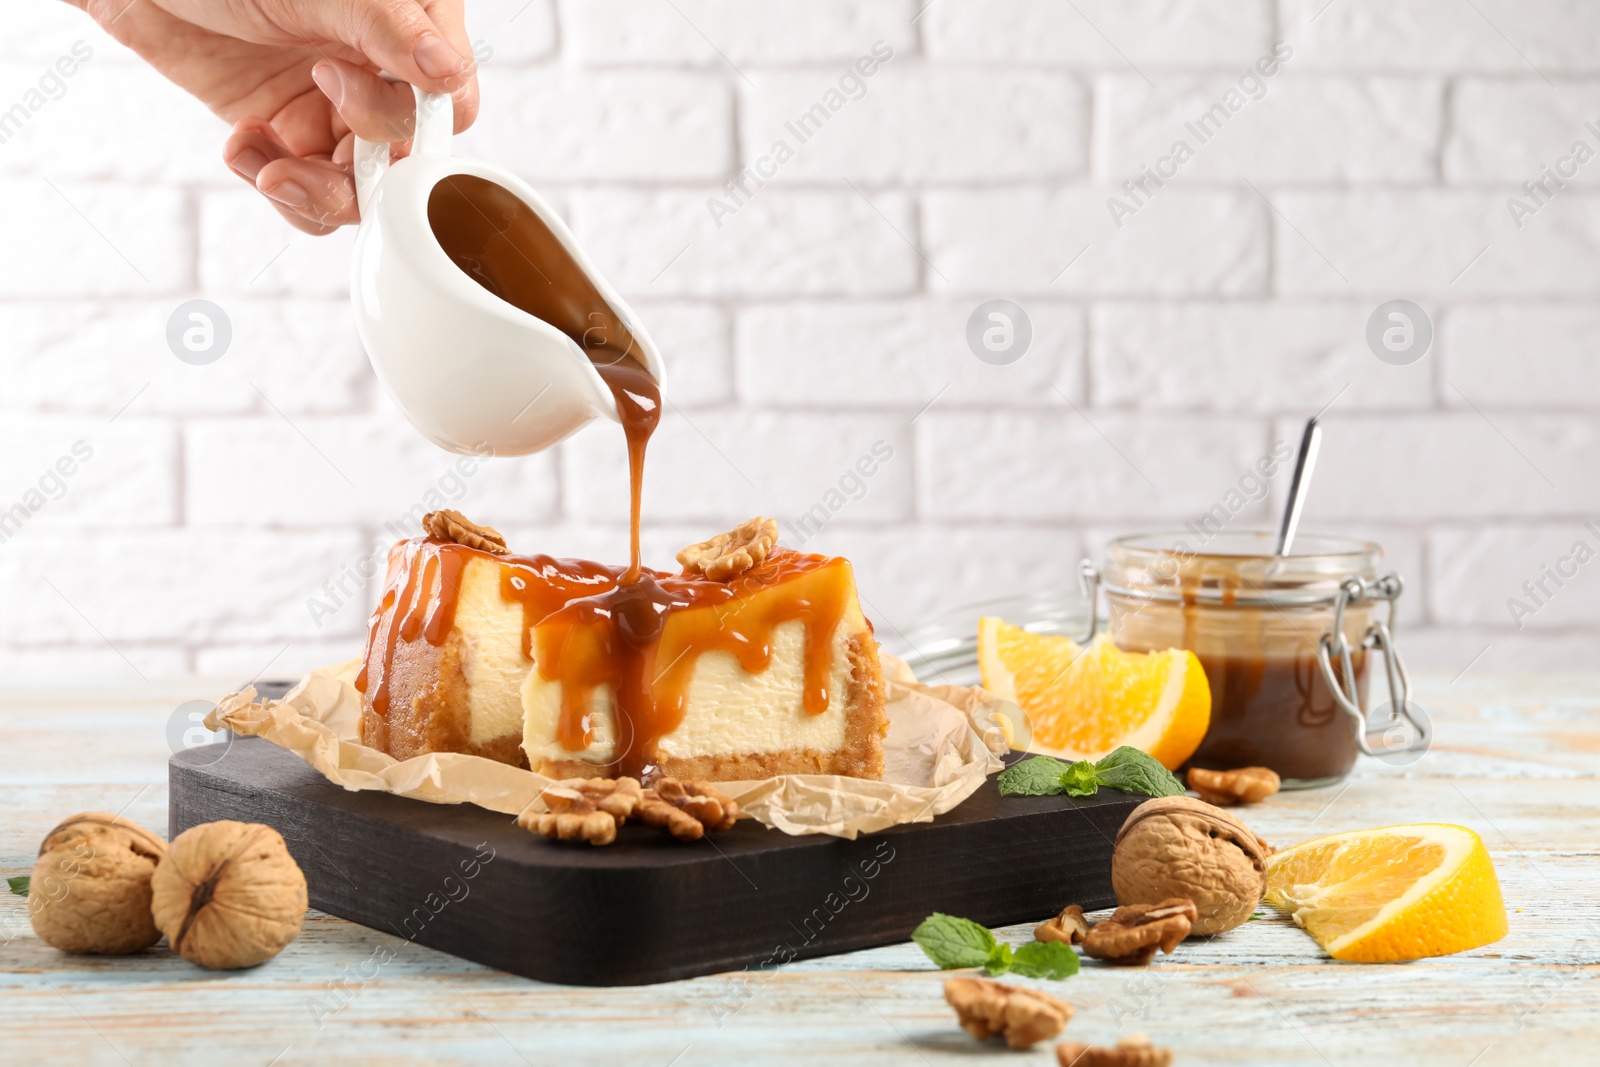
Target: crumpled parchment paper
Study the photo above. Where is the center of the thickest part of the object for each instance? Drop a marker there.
(942, 743)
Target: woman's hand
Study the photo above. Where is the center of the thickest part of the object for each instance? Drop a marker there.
(299, 81)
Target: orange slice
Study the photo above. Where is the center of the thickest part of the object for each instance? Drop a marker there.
(1083, 702)
(1395, 893)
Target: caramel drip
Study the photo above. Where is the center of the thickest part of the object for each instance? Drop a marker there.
(364, 677)
(587, 630)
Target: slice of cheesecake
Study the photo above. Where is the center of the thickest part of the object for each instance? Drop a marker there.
(560, 666)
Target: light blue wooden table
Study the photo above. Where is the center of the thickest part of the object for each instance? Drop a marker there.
(1516, 759)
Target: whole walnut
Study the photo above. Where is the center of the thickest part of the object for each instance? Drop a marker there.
(229, 894)
(90, 890)
(1182, 847)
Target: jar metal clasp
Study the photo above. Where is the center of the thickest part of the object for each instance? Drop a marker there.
(1380, 638)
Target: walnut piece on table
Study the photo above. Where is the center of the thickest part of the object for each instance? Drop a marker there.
(1069, 928)
(1135, 1050)
(730, 554)
(448, 525)
(592, 809)
(1246, 785)
(1024, 1017)
(1133, 932)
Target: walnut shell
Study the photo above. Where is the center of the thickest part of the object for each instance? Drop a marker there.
(91, 885)
(1182, 847)
(229, 894)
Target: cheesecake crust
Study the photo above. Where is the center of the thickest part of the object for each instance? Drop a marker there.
(428, 708)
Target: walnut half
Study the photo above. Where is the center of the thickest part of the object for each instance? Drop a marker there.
(1070, 927)
(1024, 1017)
(1135, 1050)
(449, 525)
(592, 809)
(1133, 933)
(1246, 785)
(585, 810)
(730, 554)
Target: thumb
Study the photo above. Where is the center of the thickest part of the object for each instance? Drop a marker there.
(398, 36)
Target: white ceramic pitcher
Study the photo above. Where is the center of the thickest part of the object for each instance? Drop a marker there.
(472, 372)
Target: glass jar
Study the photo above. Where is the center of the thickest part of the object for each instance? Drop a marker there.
(1284, 642)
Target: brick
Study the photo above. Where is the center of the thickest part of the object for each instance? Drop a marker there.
(1522, 37)
(111, 121)
(1246, 356)
(76, 471)
(1286, 128)
(1509, 131)
(909, 575)
(236, 664)
(97, 663)
(92, 240)
(1103, 34)
(561, 124)
(719, 468)
(780, 242)
(1028, 466)
(1459, 656)
(247, 249)
(316, 470)
(717, 32)
(917, 124)
(694, 344)
(511, 31)
(1457, 465)
(1518, 576)
(256, 583)
(907, 354)
(1521, 354)
(1457, 244)
(1181, 242)
(42, 33)
(101, 356)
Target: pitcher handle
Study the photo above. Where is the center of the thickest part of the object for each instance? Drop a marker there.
(434, 128)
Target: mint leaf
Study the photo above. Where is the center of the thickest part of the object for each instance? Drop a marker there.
(1036, 777)
(951, 942)
(999, 961)
(1080, 779)
(1045, 959)
(19, 884)
(1134, 771)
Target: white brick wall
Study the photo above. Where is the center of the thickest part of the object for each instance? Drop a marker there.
(828, 313)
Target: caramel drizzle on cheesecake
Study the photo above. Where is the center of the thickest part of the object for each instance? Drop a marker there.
(581, 628)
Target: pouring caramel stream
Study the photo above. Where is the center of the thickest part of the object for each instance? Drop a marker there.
(585, 625)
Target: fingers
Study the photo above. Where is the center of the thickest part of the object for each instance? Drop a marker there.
(401, 38)
(374, 109)
(315, 196)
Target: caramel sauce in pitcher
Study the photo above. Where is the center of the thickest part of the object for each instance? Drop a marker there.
(586, 625)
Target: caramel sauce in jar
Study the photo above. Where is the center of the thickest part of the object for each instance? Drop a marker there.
(1255, 622)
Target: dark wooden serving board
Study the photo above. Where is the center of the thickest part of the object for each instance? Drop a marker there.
(648, 908)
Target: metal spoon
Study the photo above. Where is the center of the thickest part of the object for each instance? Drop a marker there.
(1301, 484)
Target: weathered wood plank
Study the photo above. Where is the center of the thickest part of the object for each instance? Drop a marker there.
(1515, 759)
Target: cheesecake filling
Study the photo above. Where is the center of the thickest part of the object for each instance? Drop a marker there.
(549, 649)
